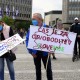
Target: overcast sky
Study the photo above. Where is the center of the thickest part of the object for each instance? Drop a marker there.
(46, 5)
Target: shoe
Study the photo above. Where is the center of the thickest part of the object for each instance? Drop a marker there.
(54, 57)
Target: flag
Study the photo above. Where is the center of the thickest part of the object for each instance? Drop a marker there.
(7, 10)
(17, 12)
(0, 12)
(13, 13)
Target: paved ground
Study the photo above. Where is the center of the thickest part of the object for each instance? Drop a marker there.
(63, 68)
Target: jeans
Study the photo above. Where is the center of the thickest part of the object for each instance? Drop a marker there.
(10, 68)
(37, 62)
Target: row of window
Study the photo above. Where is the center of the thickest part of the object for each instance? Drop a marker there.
(74, 6)
(74, 12)
(74, 0)
(29, 2)
(19, 8)
(71, 18)
(19, 15)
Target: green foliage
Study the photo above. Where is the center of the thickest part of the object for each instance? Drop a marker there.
(8, 20)
(23, 24)
(28, 24)
(16, 24)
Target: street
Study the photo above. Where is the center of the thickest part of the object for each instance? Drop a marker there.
(63, 68)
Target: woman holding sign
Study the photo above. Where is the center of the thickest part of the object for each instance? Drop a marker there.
(6, 32)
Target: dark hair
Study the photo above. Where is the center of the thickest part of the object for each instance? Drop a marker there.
(2, 21)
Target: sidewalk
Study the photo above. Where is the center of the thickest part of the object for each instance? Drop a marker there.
(63, 68)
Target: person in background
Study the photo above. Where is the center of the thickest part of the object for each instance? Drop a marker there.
(75, 27)
(39, 55)
(53, 54)
(60, 26)
(6, 32)
(22, 34)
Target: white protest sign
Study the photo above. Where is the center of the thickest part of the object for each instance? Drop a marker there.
(51, 40)
(10, 43)
(3, 48)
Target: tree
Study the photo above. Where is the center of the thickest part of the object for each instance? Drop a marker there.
(16, 24)
(8, 20)
(28, 24)
(23, 24)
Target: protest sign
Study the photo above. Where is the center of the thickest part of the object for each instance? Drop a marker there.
(10, 43)
(51, 40)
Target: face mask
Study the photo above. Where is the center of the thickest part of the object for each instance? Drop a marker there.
(1, 27)
(35, 22)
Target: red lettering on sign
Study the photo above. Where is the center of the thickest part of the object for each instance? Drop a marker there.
(54, 31)
(45, 46)
(64, 34)
(43, 30)
(51, 39)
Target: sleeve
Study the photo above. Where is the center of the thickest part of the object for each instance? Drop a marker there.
(27, 39)
(11, 32)
(31, 51)
(71, 28)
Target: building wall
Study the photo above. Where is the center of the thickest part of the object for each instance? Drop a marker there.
(71, 9)
(23, 6)
(52, 17)
(65, 11)
(47, 19)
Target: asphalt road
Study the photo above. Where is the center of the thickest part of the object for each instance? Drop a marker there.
(63, 68)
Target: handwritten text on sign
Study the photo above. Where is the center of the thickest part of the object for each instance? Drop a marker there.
(10, 43)
(50, 40)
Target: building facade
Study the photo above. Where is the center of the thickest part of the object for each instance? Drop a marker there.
(71, 9)
(17, 9)
(51, 18)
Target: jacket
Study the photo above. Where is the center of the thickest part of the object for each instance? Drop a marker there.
(6, 33)
(75, 28)
(32, 51)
